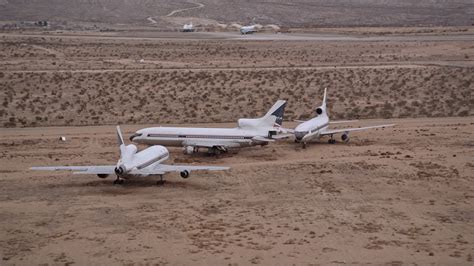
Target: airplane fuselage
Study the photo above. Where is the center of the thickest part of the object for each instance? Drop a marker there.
(247, 30)
(311, 129)
(181, 136)
(132, 160)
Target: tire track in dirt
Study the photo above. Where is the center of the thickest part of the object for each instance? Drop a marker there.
(198, 5)
(152, 20)
(220, 68)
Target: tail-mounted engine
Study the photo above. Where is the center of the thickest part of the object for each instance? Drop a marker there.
(120, 170)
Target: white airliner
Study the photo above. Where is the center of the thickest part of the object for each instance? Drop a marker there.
(249, 132)
(131, 164)
(248, 29)
(188, 27)
(317, 127)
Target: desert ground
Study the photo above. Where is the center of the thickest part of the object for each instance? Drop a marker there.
(166, 14)
(393, 196)
(94, 79)
(396, 196)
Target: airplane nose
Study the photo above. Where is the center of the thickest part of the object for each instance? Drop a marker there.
(134, 136)
(299, 135)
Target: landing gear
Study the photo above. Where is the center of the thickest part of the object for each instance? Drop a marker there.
(331, 140)
(160, 182)
(216, 150)
(303, 144)
(118, 181)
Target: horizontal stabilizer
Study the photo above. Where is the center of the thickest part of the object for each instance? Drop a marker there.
(92, 169)
(342, 130)
(343, 121)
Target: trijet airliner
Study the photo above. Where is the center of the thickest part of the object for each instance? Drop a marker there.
(249, 132)
(147, 162)
(317, 127)
(248, 29)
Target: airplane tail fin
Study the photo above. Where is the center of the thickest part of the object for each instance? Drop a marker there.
(121, 143)
(278, 111)
(119, 136)
(322, 108)
(273, 118)
(324, 98)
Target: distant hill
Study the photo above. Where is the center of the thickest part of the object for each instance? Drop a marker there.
(300, 13)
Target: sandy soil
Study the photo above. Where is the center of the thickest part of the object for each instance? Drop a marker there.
(303, 13)
(401, 195)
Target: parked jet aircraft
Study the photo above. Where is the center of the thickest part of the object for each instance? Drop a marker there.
(134, 164)
(317, 127)
(188, 27)
(249, 132)
(248, 29)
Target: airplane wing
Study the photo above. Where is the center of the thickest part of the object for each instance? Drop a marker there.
(332, 122)
(165, 168)
(342, 121)
(210, 144)
(342, 130)
(92, 169)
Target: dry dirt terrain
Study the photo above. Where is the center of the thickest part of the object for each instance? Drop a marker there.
(393, 196)
(167, 14)
(78, 79)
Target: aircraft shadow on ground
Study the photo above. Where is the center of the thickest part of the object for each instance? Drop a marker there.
(106, 185)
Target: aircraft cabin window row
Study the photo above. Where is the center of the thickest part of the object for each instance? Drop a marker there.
(198, 136)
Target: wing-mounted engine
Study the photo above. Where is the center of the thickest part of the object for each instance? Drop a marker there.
(184, 174)
(102, 175)
(345, 137)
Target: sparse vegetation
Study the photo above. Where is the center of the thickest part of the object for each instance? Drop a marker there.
(102, 92)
